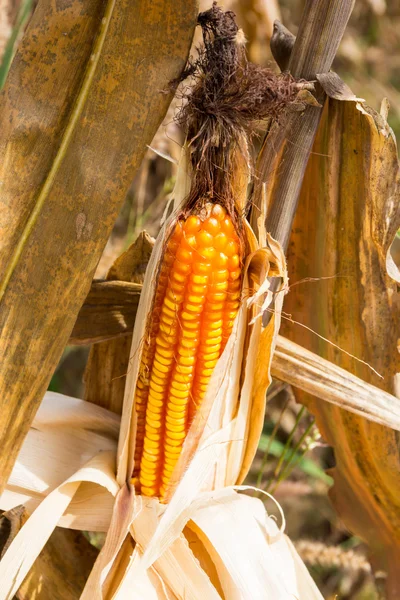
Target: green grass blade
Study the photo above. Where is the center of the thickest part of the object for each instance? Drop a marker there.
(22, 17)
(308, 466)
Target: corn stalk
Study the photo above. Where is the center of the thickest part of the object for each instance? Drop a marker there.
(286, 150)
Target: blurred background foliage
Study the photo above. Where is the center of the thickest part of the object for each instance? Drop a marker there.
(292, 459)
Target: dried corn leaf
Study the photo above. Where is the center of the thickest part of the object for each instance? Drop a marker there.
(85, 94)
(264, 563)
(311, 373)
(66, 433)
(347, 217)
(290, 362)
(109, 311)
(61, 569)
(108, 361)
(27, 545)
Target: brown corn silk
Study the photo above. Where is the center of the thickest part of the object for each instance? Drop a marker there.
(195, 304)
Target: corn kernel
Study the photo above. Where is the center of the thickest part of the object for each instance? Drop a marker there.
(192, 224)
(204, 239)
(218, 212)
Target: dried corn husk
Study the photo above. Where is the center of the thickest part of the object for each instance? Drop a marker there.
(169, 559)
(70, 472)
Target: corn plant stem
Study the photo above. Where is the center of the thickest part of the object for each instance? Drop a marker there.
(283, 158)
(271, 439)
(290, 464)
(65, 141)
(288, 442)
(288, 147)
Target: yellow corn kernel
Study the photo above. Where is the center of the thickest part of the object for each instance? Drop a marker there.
(195, 305)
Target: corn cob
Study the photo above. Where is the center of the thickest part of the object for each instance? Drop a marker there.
(196, 302)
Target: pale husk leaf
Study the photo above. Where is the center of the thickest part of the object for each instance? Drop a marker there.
(261, 565)
(65, 435)
(176, 566)
(28, 543)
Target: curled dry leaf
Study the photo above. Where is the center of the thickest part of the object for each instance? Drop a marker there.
(347, 218)
(71, 442)
(66, 433)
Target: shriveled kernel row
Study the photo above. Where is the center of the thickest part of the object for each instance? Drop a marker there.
(196, 303)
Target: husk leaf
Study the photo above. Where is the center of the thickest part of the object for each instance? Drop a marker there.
(157, 529)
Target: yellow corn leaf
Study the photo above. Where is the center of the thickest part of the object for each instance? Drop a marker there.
(346, 220)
